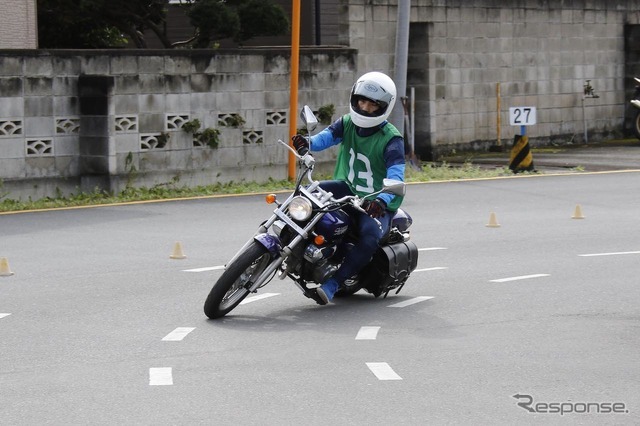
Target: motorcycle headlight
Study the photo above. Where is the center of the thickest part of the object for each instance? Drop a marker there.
(300, 208)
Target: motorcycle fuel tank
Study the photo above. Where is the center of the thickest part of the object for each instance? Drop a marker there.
(333, 225)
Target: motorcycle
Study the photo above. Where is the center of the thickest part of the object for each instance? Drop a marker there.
(636, 103)
(306, 239)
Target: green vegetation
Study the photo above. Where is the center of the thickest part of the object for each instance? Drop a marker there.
(428, 172)
(445, 172)
(233, 120)
(100, 24)
(325, 113)
(208, 136)
(191, 126)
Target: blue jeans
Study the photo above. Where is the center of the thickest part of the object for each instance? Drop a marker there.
(370, 231)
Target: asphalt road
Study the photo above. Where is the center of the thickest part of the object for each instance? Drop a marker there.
(99, 326)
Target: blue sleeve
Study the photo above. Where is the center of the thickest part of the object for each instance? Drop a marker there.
(328, 137)
(395, 163)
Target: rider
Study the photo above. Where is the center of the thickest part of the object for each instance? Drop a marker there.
(371, 149)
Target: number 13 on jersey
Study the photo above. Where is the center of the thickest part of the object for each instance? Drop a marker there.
(522, 116)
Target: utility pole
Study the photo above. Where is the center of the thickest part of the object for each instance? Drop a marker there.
(401, 59)
(293, 97)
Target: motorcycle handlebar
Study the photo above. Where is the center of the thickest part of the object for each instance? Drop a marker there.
(309, 161)
(307, 158)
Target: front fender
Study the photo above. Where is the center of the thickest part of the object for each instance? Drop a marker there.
(270, 242)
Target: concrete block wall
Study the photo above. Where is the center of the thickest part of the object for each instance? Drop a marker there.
(18, 24)
(541, 54)
(72, 121)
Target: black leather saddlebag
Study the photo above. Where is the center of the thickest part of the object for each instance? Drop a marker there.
(390, 267)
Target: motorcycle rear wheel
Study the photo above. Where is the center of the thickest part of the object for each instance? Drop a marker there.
(231, 287)
(636, 125)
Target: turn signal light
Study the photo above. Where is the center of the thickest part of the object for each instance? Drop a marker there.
(271, 198)
(318, 240)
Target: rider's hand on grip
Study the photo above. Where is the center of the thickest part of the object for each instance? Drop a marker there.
(375, 208)
(301, 144)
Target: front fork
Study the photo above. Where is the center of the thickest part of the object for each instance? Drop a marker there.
(278, 253)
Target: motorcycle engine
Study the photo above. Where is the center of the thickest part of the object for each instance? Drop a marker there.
(319, 273)
(317, 268)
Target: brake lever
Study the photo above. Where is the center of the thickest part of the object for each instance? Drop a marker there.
(290, 148)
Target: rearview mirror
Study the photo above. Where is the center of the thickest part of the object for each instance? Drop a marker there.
(308, 118)
(393, 186)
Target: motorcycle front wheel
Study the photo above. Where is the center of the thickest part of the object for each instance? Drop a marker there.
(636, 125)
(231, 287)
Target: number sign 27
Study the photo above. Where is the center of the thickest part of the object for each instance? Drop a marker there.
(522, 116)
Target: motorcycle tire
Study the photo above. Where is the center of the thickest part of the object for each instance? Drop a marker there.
(230, 289)
(636, 125)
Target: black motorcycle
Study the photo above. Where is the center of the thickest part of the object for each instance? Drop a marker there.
(306, 239)
(636, 103)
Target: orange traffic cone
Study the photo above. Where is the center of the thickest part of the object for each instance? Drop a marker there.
(493, 222)
(577, 214)
(177, 252)
(5, 271)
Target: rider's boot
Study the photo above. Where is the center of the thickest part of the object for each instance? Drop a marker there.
(327, 290)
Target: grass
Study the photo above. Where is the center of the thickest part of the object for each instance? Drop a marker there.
(444, 172)
(428, 172)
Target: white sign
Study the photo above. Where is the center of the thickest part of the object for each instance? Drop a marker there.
(522, 116)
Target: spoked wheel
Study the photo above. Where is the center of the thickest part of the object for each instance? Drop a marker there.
(232, 286)
(636, 125)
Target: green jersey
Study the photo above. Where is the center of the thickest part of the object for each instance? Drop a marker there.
(361, 160)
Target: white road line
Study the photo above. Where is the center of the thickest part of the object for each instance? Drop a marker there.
(178, 334)
(437, 268)
(383, 371)
(210, 268)
(609, 254)
(432, 248)
(410, 302)
(523, 277)
(4, 315)
(367, 333)
(258, 297)
(160, 376)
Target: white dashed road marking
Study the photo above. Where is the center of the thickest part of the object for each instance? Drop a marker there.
(258, 297)
(160, 376)
(178, 334)
(410, 302)
(523, 277)
(209, 268)
(432, 248)
(367, 333)
(609, 254)
(4, 315)
(383, 371)
(436, 268)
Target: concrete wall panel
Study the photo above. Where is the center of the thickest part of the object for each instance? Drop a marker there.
(122, 111)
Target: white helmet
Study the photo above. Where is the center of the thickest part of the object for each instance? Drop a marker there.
(377, 87)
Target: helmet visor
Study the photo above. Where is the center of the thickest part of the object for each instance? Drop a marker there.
(373, 92)
(355, 104)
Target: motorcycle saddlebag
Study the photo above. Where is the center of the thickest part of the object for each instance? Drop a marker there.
(390, 267)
